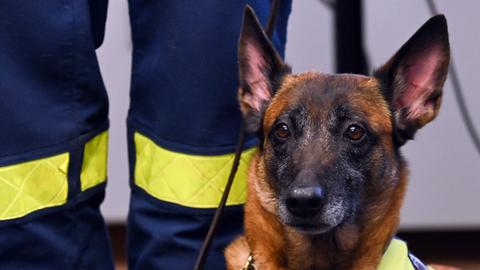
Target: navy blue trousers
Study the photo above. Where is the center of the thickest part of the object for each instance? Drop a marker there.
(183, 97)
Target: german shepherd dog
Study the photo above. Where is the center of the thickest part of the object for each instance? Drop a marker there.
(326, 186)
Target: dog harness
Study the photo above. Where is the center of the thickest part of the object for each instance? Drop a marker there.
(396, 257)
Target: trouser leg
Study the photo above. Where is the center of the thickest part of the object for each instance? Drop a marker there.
(53, 140)
(183, 126)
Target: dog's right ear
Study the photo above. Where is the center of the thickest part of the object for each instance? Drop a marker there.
(261, 70)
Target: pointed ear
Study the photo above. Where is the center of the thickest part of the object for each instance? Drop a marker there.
(413, 78)
(261, 70)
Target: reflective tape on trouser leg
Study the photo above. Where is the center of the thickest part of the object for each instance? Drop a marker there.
(33, 185)
(42, 183)
(94, 166)
(187, 180)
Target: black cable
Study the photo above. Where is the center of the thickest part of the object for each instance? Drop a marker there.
(459, 96)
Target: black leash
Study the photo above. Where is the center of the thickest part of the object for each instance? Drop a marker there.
(275, 6)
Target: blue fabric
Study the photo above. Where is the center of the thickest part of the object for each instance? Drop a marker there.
(183, 96)
(52, 99)
(98, 16)
(184, 80)
(50, 84)
(162, 235)
(71, 237)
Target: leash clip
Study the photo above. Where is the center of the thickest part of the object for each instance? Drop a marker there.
(250, 264)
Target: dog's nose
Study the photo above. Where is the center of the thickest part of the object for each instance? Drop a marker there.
(305, 201)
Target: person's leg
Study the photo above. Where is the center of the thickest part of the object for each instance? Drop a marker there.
(183, 125)
(53, 140)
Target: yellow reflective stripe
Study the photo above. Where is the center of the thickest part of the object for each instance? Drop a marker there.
(396, 257)
(94, 167)
(33, 185)
(188, 180)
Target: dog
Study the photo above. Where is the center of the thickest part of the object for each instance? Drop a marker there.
(327, 183)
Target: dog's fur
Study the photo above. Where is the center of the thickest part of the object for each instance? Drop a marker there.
(304, 121)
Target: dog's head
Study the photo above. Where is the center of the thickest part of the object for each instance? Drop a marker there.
(330, 142)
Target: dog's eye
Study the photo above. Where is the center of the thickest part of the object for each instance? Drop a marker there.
(281, 131)
(355, 132)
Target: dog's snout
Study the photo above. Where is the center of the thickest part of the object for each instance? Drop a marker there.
(305, 201)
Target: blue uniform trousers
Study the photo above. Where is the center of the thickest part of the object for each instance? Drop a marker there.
(54, 121)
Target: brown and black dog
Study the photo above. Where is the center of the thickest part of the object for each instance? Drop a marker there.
(327, 183)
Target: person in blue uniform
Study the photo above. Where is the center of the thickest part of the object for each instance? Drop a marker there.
(182, 128)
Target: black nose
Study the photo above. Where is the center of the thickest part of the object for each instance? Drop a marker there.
(305, 201)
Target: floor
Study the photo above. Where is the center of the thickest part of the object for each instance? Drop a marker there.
(460, 249)
(454, 248)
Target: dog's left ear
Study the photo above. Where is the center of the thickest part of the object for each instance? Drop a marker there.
(261, 70)
(413, 78)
